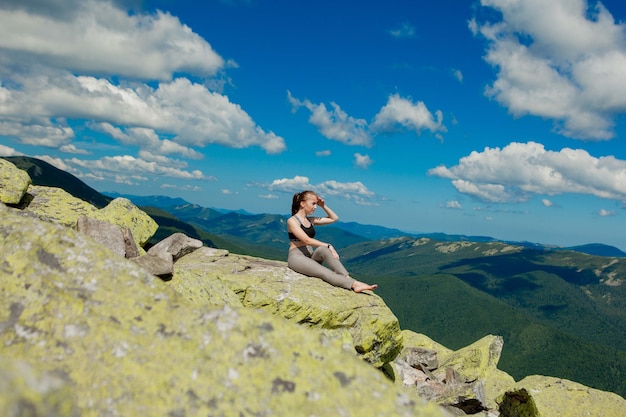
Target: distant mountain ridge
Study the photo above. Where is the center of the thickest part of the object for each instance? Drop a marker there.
(176, 206)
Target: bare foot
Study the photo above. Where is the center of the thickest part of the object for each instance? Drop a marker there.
(359, 286)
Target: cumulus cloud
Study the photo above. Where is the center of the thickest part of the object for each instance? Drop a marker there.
(127, 169)
(362, 161)
(546, 202)
(355, 191)
(399, 113)
(564, 60)
(519, 171)
(8, 151)
(94, 36)
(334, 124)
(93, 65)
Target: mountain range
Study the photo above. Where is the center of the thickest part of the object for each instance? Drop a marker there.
(561, 311)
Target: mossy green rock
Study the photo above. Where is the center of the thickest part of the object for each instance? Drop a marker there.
(543, 396)
(273, 287)
(27, 392)
(129, 345)
(57, 205)
(13, 182)
(124, 213)
(190, 280)
(479, 361)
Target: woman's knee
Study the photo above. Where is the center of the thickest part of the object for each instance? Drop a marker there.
(321, 253)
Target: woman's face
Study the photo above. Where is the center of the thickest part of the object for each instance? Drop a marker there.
(309, 204)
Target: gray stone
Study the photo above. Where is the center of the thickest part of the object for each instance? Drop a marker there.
(177, 245)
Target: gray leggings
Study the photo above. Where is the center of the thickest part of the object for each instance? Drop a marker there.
(308, 262)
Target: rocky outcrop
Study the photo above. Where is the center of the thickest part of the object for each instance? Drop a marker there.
(13, 183)
(86, 331)
(311, 302)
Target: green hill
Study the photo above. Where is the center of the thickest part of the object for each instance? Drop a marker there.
(560, 313)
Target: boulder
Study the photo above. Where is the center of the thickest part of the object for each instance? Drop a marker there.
(190, 280)
(13, 182)
(56, 205)
(123, 212)
(106, 234)
(273, 287)
(160, 264)
(128, 345)
(177, 245)
(466, 379)
(24, 391)
(543, 396)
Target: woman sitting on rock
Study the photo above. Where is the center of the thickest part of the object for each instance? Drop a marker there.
(310, 262)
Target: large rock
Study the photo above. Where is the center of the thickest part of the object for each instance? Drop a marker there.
(24, 391)
(124, 213)
(190, 280)
(129, 345)
(467, 379)
(57, 205)
(543, 396)
(275, 288)
(13, 182)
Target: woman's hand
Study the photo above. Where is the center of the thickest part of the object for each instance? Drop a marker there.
(320, 202)
(333, 252)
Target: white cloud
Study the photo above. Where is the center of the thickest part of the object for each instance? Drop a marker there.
(355, 191)
(123, 167)
(560, 60)
(71, 148)
(403, 112)
(54, 55)
(399, 113)
(404, 31)
(185, 187)
(97, 37)
(325, 152)
(606, 213)
(334, 124)
(8, 151)
(546, 202)
(362, 161)
(454, 205)
(520, 170)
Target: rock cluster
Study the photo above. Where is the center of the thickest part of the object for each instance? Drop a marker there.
(94, 325)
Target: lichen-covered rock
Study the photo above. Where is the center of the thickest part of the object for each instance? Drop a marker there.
(129, 345)
(123, 212)
(272, 286)
(13, 182)
(543, 396)
(191, 281)
(25, 391)
(467, 378)
(479, 361)
(57, 205)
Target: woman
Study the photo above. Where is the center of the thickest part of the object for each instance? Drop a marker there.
(302, 236)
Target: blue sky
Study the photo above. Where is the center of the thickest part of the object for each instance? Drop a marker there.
(503, 118)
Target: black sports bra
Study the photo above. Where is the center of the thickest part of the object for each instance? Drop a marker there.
(310, 231)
